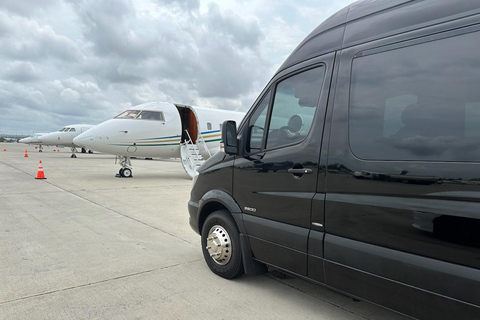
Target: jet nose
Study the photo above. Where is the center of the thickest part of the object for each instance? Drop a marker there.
(84, 140)
(49, 139)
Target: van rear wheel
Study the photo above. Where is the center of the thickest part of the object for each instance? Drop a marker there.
(221, 245)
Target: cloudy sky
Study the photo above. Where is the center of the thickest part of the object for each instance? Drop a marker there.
(84, 61)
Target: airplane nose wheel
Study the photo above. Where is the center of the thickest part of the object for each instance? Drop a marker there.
(125, 172)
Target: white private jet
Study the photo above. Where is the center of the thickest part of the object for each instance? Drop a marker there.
(160, 130)
(64, 137)
(34, 139)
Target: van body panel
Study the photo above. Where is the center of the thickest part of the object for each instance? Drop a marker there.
(318, 212)
(280, 233)
(414, 302)
(444, 278)
(401, 19)
(331, 39)
(280, 256)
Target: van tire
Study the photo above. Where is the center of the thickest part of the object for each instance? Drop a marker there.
(221, 245)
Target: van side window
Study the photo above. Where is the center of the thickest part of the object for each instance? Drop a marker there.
(294, 106)
(257, 124)
(426, 108)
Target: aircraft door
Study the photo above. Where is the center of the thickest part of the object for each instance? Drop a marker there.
(189, 124)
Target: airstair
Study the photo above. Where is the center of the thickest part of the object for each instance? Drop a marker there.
(191, 155)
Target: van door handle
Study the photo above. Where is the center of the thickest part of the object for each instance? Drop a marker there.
(300, 171)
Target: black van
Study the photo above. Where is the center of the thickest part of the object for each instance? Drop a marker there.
(358, 166)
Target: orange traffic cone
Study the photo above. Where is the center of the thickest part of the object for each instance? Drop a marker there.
(4, 149)
(40, 173)
(58, 150)
(26, 154)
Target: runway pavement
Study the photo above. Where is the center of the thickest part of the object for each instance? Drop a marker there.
(83, 244)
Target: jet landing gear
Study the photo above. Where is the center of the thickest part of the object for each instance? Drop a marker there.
(126, 170)
(40, 148)
(73, 153)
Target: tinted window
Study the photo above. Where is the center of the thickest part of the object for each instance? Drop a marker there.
(257, 124)
(294, 106)
(420, 102)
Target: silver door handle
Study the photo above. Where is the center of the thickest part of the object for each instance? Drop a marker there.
(300, 171)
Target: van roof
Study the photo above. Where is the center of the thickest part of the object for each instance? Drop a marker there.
(369, 20)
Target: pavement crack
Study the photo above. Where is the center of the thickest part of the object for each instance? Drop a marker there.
(72, 192)
(129, 217)
(97, 282)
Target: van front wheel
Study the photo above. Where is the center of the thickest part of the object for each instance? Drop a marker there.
(221, 245)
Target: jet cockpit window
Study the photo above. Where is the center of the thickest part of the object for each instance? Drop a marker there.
(129, 114)
(151, 115)
(71, 130)
(62, 129)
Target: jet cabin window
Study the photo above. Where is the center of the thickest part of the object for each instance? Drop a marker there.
(151, 115)
(427, 108)
(129, 114)
(293, 109)
(141, 114)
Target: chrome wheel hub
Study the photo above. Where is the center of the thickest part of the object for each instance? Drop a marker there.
(219, 245)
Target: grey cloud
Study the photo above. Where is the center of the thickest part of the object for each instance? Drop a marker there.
(187, 5)
(244, 33)
(26, 7)
(114, 54)
(53, 104)
(225, 72)
(22, 72)
(19, 94)
(25, 39)
(203, 51)
(113, 29)
(111, 71)
(70, 95)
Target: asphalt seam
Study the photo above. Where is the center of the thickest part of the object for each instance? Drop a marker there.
(97, 282)
(127, 216)
(100, 205)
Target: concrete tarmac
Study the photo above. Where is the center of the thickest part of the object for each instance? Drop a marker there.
(83, 244)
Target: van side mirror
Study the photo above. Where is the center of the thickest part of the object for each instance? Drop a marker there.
(229, 137)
